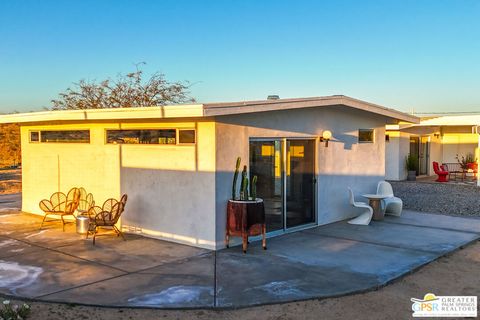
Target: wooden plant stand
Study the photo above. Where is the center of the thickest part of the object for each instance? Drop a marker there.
(244, 219)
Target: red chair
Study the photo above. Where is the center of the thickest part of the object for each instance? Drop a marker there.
(441, 172)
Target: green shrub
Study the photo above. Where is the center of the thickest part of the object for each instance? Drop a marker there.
(411, 162)
(13, 312)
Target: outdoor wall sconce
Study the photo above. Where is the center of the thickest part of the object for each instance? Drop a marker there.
(326, 136)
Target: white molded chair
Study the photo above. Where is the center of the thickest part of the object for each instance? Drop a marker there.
(366, 216)
(392, 205)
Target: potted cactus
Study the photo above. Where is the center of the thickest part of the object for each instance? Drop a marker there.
(245, 212)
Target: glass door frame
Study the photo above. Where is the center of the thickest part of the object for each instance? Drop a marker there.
(284, 184)
(424, 157)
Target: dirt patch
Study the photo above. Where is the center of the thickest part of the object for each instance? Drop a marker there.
(10, 181)
(455, 274)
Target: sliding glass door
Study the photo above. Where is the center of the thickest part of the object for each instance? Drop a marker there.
(300, 182)
(286, 180)
(266, 164)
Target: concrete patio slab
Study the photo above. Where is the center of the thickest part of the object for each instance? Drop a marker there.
(132, 255)
(11, 247)
(439, 221)
(182, 284)
(325, 261)
(15, 221)
(50, 236)
(396, 235)
(266, 278)
(46, 271)
(352, 256)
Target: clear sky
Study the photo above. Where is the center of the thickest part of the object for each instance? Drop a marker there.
(421, 55)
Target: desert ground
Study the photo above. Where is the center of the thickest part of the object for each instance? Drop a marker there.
(10, 181)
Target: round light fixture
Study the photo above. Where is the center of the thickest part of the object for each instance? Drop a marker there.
(327, 134)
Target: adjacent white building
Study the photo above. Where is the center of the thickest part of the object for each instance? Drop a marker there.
(176, 163)
(435, 138)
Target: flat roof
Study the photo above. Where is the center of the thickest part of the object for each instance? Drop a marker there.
(205, 110)
(470, 120)
(459, 120)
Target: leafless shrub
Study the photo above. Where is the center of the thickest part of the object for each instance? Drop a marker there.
(126, 91)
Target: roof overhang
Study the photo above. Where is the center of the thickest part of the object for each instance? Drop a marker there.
(175, 111)
(228, 108)
(205, 110)
(472, 122)
(463, 120)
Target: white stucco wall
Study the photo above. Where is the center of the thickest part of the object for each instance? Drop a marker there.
(436, 152)
(458, 143)
(171, 189)
(344, 163)
(52, 167)
(396, 151)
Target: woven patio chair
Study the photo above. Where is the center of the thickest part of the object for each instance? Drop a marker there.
(86, 202)
(106, 216)
(60, 205)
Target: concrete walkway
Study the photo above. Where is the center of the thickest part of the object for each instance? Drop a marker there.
(326, 261)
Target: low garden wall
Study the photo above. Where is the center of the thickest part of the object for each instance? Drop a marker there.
(446, 198)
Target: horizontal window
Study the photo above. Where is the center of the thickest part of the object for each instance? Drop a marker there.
(365, 135)
(66, 136)
(161, 136)
(186, 136)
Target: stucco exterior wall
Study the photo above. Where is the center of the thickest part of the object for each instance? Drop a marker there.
(344, 163)
(396, 151)
(436, 152)
(170, 188)
(51, 167)
(458, 143)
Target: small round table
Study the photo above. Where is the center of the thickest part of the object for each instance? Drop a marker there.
(374, 202)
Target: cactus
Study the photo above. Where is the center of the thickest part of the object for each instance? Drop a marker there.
(244, 185)
(235, 178)
(253, 188)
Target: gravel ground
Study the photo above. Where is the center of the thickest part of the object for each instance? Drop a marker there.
(445, 198)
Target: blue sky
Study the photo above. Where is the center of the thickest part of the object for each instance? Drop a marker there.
(421, 55)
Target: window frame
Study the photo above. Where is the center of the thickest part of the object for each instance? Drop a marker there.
(30, 136)
(187, 143)
(59, 142)
(369, 129)
(177, 143)
(67, 142)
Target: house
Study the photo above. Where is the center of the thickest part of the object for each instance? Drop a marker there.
(435, 138)
(176, 162)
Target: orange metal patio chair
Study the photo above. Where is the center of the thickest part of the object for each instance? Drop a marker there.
(60, 205)
(106, 216)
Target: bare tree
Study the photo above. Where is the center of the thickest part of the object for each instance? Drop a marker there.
(10, 153)
(125, 91)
